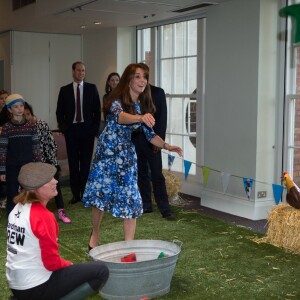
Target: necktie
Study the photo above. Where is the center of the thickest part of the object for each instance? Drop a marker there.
(78, 106)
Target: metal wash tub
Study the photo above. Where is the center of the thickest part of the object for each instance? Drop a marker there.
(147, 277)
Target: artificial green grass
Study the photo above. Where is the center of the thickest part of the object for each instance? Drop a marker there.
(217, 260)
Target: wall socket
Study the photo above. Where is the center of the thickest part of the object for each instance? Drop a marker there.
(262, 194)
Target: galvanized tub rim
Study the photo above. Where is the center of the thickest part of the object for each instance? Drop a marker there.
(151, 277)
(170, 248)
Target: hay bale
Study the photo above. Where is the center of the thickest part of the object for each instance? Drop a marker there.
(173, 185)
(284, 228)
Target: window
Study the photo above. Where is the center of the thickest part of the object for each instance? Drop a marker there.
(293, 124)
(178, 57)
(190, 120)
(292, 120)
(144, 46)
(176, 69)
(293, 137)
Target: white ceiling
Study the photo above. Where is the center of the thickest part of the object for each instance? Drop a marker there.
(67, 16)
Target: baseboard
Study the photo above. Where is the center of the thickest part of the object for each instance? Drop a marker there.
(252, 210)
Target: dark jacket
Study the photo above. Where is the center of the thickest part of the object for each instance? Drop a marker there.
(160, 102)
(91, 107)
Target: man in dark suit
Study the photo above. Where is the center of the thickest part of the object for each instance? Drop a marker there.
(78, 115)
(150, 156)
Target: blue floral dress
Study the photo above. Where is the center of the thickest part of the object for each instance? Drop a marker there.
(112, 183)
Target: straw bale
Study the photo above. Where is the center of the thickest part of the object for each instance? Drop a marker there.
(173, 185)
(284, 228)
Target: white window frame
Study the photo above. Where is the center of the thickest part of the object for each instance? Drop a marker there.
(290, 98)
(171, 136)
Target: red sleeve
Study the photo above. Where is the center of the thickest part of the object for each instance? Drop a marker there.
(45, 228)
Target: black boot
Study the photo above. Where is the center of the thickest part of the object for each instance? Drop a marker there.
(79, 293)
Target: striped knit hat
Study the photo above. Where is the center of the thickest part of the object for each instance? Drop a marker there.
(12, 99)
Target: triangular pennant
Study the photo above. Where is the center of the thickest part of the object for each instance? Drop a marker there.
(187, 166)
(225, 180)
(277, 192)
(205, 173)
(248, 183)
(170, 161)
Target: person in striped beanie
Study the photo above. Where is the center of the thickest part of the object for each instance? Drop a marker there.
(19, 145)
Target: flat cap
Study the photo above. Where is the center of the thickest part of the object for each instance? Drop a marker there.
(35, 174)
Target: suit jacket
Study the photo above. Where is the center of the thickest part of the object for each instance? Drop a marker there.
(160, 102)
(91, 107)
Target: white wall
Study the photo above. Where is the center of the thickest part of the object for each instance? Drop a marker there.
(126, 47)
(241, 104)
(231, 87)
(41, 63)
(64, 50)
(5, 56)
(100, 56)
(267, 166)
(30, 70)
(109, 50)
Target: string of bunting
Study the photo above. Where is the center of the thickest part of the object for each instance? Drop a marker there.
(225, 177)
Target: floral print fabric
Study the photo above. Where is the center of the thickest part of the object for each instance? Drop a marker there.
(47, 143)
(112, 183)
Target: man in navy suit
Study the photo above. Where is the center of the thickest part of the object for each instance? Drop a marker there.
(78, 115)
(150, 156)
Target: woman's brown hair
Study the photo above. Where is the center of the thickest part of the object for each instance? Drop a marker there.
(107, 86)
(2, 92)
(25, 197)
(122, 92)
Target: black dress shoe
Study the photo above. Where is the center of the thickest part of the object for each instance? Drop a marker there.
(169, 216)
(74, 200)
(147, 210)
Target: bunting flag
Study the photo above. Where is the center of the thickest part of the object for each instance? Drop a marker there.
(277, 192)
(187, 166)
(248, 183)
(225, 180)
(205, 173)
(170, 161)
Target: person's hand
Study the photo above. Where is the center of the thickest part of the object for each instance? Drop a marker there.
(174, 149)
(2, 178)
(148, 119)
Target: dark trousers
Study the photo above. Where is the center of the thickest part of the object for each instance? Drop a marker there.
(65, 280)
(80, 145)
(2, 190)
(58, 198)
(12, 186)
(148, 159)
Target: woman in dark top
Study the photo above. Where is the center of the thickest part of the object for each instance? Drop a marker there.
(111, 82)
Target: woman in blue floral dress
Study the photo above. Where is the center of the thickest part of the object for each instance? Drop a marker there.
(112, 183)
